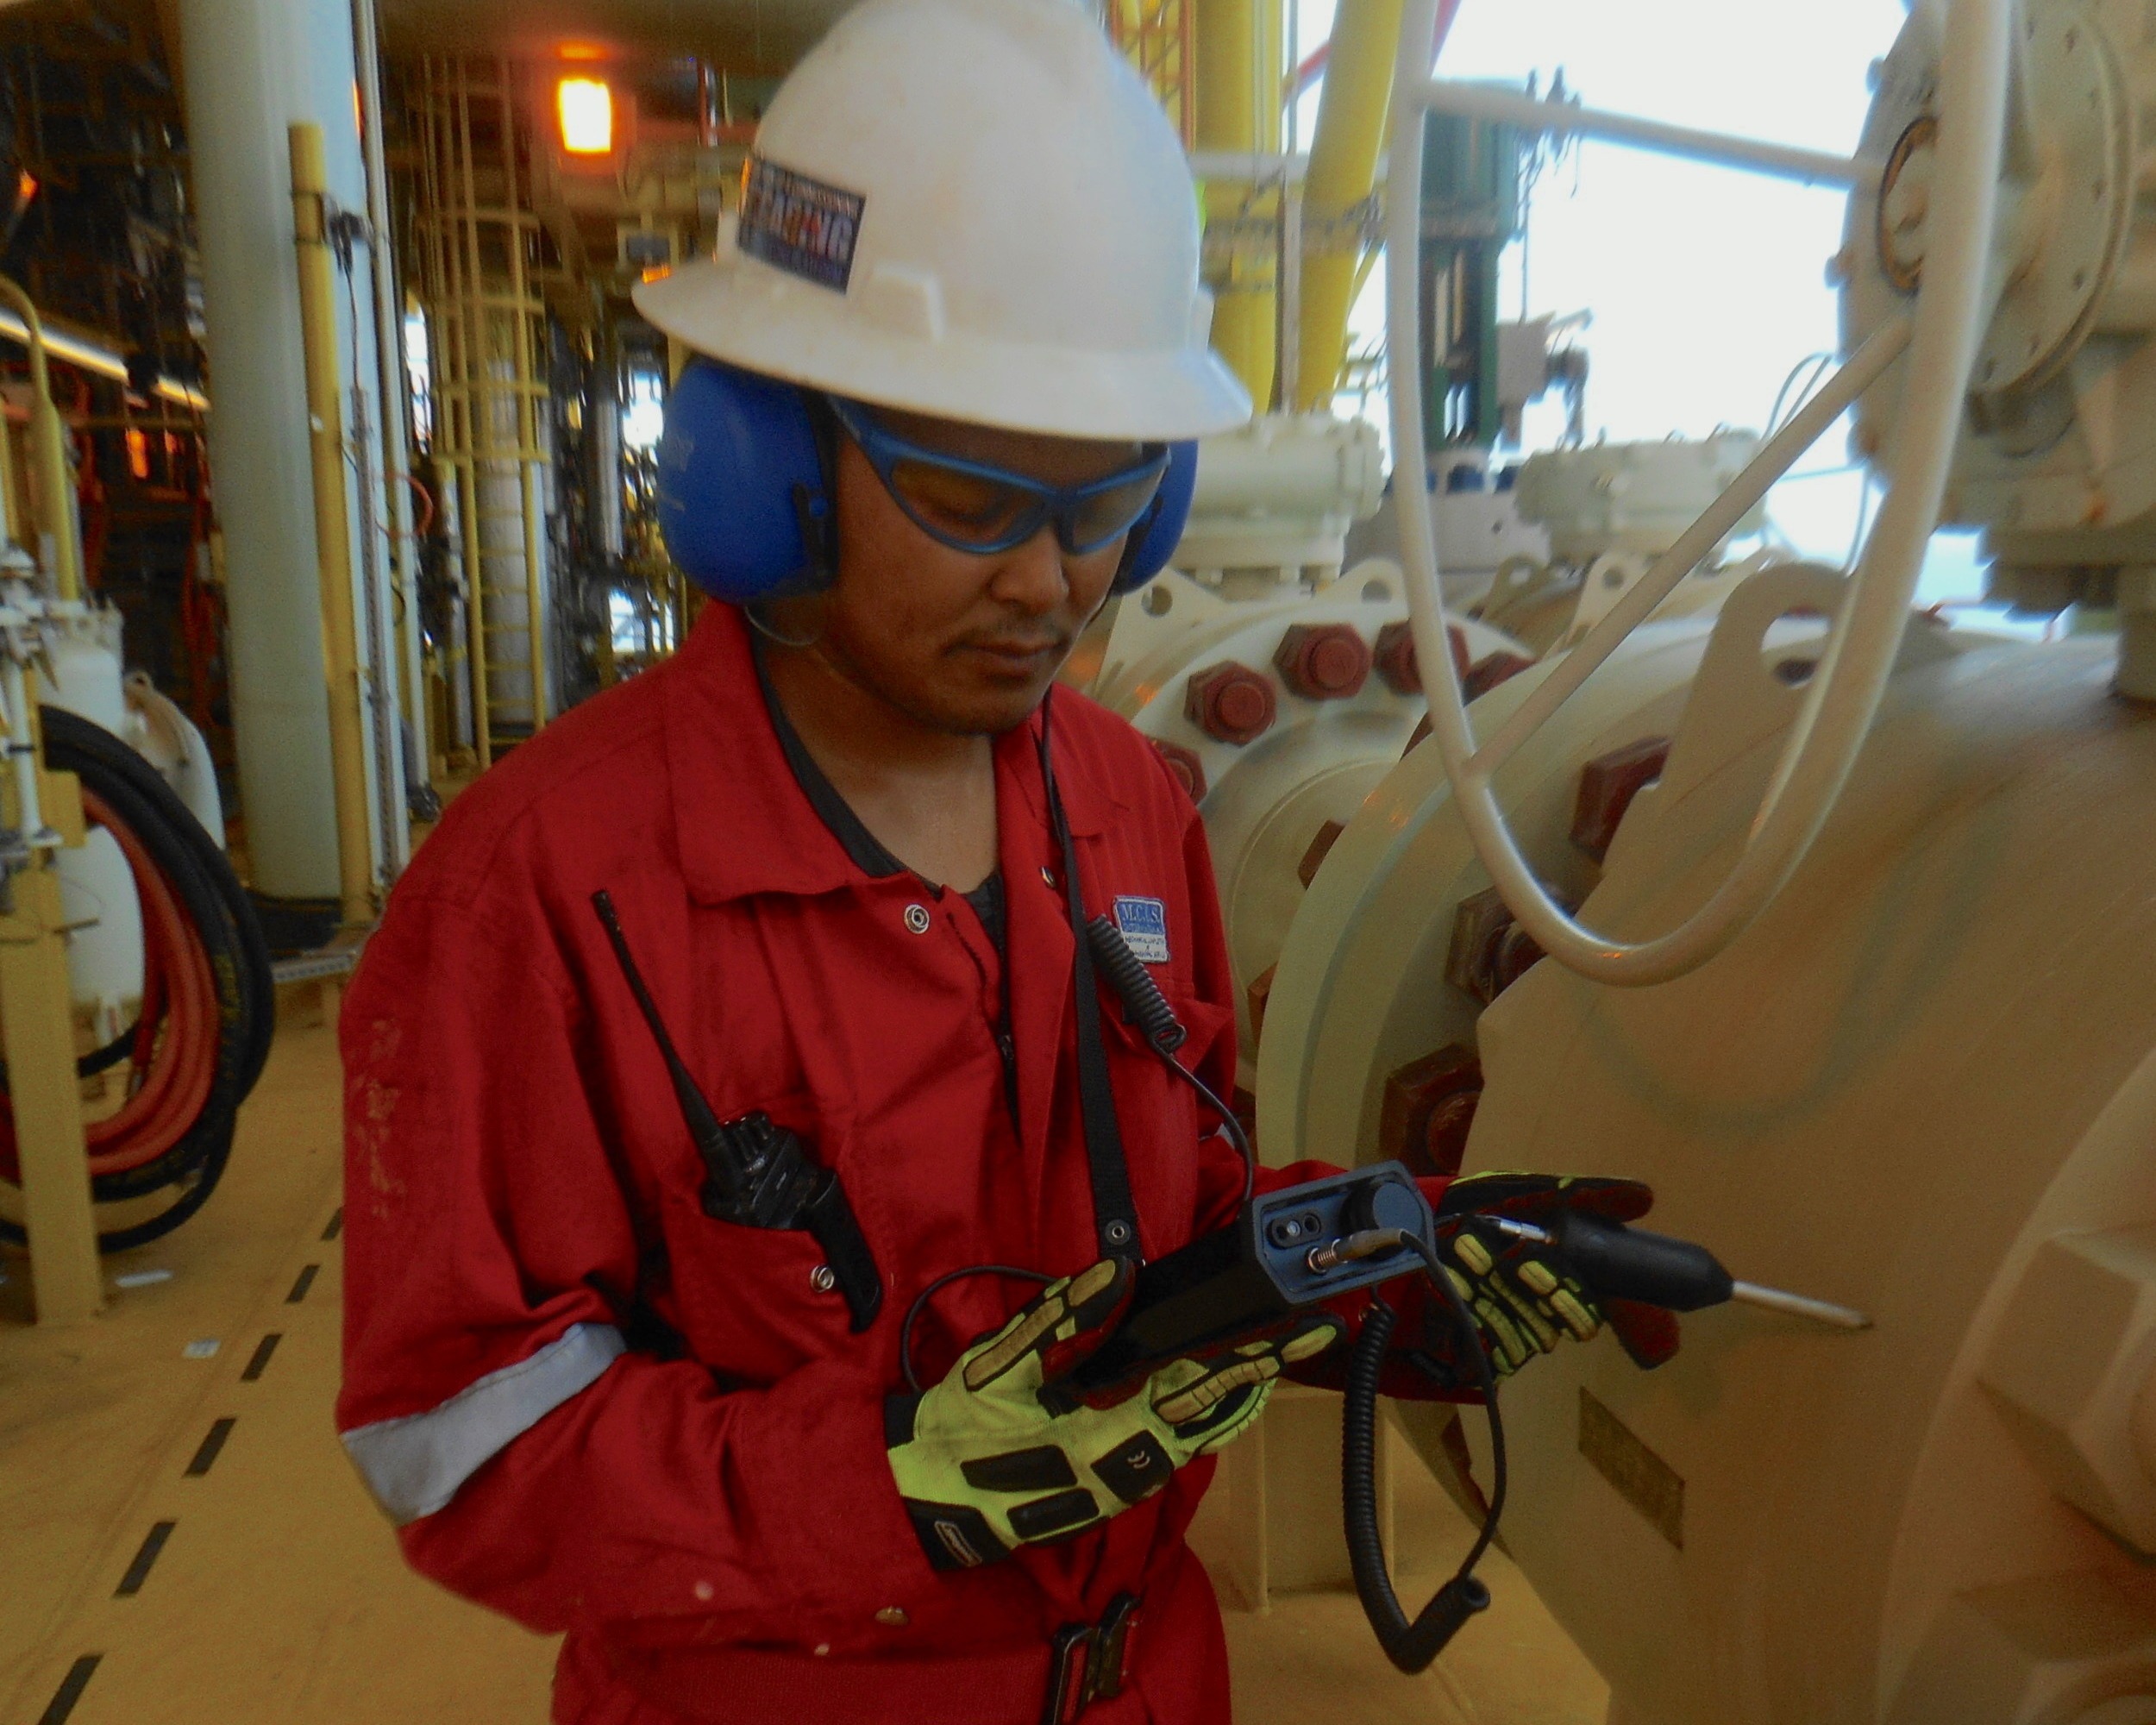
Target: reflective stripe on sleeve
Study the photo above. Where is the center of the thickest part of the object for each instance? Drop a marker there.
(414, 1464)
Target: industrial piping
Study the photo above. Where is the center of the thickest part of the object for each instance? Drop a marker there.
(1237, 87)
(49, 457)
(1352, 111)
(339, 647)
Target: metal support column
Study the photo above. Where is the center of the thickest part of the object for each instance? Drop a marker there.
(333, 540)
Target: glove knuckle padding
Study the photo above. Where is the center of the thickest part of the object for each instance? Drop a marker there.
(994, 1457)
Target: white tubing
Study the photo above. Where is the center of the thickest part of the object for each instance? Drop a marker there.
(1845, 693)
(1565, 119)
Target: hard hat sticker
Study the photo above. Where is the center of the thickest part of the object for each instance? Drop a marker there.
(799, 224)
(1144, 926)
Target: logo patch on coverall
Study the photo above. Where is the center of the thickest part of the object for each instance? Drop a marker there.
(1144, 926)
(799, 225)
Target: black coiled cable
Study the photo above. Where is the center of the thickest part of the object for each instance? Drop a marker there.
(1163, 1031)
(1410, 1645)
(201, 880)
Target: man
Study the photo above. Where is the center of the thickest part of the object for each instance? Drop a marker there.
(959, 338)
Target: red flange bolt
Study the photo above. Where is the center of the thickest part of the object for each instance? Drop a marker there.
(1608, 785)
(1185, 765)
(1323, 661)
(1429, 1104)
(1497, 669)
(1231, 703)
(1396, 656)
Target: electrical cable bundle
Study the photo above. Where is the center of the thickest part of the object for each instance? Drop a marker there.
(209, 1003)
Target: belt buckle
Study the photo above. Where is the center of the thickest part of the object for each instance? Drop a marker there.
(1069, 1668)
(1106, 1666)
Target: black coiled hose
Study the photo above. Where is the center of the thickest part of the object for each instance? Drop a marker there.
(200, 880)
(1163, 1030)
(1410, 1645)
(1141, 996)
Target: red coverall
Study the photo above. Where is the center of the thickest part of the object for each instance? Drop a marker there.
(593, 1407)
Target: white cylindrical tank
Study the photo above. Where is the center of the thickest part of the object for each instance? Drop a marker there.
(168, 740)
(253, 67)
(104, 938)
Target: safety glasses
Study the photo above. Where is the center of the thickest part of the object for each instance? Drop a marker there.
(973, 506)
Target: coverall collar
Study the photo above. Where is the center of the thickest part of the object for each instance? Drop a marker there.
(744, 825)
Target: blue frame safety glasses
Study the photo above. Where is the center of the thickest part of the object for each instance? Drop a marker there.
(975, 507)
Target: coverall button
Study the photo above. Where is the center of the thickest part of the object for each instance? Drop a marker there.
(822, 1650)
(703, 1590)
(917, 918)
(823, 1279)
(892, 1617)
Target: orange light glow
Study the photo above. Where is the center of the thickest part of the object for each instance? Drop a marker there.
(582, 51)
(138, 454)
(586, 107)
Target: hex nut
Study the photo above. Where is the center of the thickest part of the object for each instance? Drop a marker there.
(1323, 661)
(1516, 953)
(1498, 667)
(1608, 785)
(1189, 770)
(1321, 845)
(1490, 952)
(1479, 925)
(2068, 1369)
(1231, 703)
(1429, 1104)
(1395, 656)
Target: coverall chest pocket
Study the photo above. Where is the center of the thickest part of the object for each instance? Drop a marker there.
(758, 1302)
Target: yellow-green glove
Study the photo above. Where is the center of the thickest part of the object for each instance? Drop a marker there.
(994, 1456)
(1523, 1294)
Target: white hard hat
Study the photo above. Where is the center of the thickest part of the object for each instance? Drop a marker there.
(972, 208)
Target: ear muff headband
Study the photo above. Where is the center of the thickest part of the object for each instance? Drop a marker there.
(745, 494)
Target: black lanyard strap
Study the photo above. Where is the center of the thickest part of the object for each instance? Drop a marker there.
(1114, 1212)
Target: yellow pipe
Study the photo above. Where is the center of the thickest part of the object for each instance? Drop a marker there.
(48, 454)
(522, 336)
(1236, 86)
(333, 544)
(1351, 114)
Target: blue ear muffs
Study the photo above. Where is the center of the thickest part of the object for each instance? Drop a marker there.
(745, 487)
(1160, 529)
(746, 498)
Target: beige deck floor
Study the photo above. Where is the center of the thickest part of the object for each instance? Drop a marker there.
(273, 1595)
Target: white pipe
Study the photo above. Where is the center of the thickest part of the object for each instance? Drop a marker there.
(1562, 119)
(1256, 168)
(22, 757)
(1844, 695)
(389, 353)
(1779, 454)
(94, 358)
